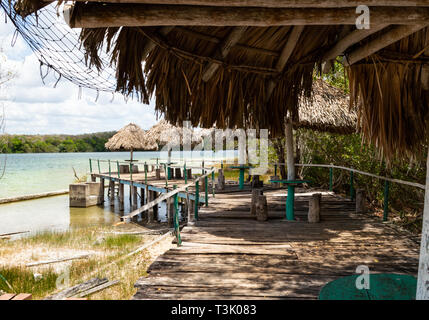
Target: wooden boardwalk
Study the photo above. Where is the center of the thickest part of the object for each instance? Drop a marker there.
(230, 255)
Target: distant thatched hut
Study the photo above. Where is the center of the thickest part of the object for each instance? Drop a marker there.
(131, 137)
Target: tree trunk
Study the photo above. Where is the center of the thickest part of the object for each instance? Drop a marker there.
(280, 151)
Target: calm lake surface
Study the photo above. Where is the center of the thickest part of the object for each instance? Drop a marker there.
(35, 173)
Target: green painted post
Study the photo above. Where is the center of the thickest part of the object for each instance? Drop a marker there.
(131, 171)
(117, 166)
(169, 172)
(145, 172)
(110, 169)
(185, 173)
(352, 190)
(331, 179)
(275, 170)
(176, 218)
(206, 184)
(99, 170)
(241, 179)
(197, 199)
(290, 202)
(90, 166)
(386, 200)
(221, 164)
(213, 184)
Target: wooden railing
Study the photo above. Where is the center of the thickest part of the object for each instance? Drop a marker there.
(174, 193)
(352, 172)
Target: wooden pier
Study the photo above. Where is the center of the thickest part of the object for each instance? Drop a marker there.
(228, 254)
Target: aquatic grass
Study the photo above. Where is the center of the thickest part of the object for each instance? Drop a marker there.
(22, 280)
(121, 241)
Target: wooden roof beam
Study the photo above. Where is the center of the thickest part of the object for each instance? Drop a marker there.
(350, 39)
(117, 15)
(278, 3)
(226, 46)
(285, 55)
(383, 41)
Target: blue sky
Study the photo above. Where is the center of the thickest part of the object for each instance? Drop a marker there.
(34, 108)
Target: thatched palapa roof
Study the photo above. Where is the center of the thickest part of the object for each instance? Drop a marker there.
(131, 137)
(250, 63)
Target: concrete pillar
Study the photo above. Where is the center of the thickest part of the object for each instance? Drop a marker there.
(255, 194)
(93, 178)
(189, 174)
(121, 196)
(314, 208)
(360, 201)
(178, 173)
(158, 174)
(261, 208)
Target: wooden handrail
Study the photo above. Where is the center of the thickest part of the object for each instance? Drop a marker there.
(165, 196)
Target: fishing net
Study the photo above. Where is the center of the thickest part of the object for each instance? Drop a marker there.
(58, 49)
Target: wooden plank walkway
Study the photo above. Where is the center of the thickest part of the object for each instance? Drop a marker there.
(230, 255)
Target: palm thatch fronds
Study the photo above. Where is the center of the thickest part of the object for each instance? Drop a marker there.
(165, 133)
(388, 91)
(328, 110)
(131, 137)
(236, 95)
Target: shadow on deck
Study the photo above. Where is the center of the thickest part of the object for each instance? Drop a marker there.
(230, 255)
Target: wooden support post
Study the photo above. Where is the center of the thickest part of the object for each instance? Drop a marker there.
(135, 195)
(206, 191)
(151, 213)
(90, 167)
(112, 192)
(352, 190)
(423, 276)
(261, 208)
(220, 180)
(331, 177)
(158, 174)
(255, 194)
(360, 201)
(289, 150)
(93, 178)
(191, 216)
(101, 193)
(142, 197)
(170, 212)
(176, 218)
(314, 208)
(386, 200)
(197, 200)
(213, 184)
(189, 174)
(121, 196)
(178, 173)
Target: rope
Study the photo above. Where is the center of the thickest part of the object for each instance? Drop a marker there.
(58, 48)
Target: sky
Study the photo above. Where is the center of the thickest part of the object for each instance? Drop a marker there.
(32, 107)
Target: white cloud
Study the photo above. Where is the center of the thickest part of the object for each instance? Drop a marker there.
(32, 107)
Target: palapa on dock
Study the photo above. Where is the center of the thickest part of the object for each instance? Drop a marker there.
(230, 255)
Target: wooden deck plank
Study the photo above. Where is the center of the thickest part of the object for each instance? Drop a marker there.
(230, 255)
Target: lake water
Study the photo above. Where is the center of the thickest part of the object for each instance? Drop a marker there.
(35, 173)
